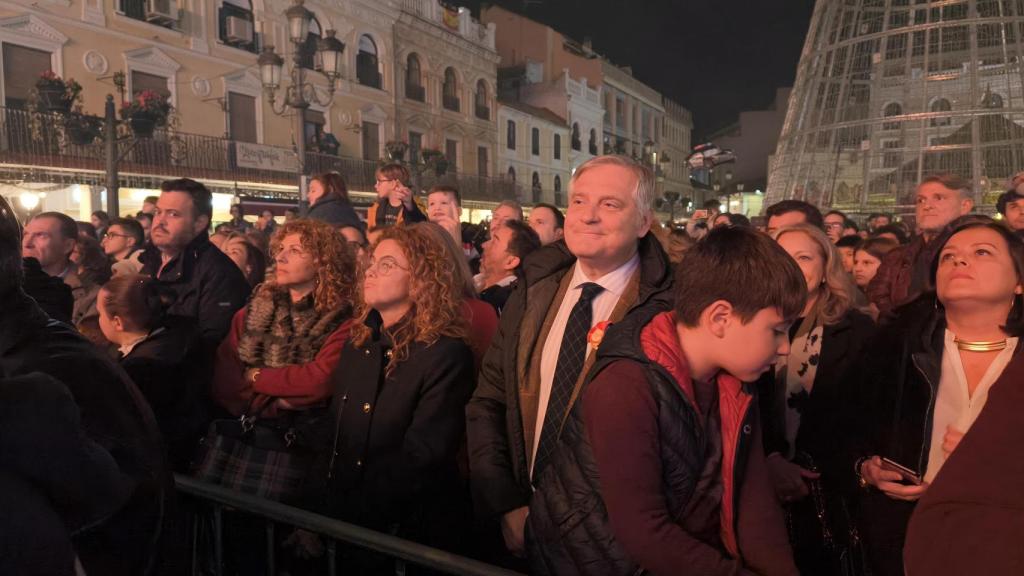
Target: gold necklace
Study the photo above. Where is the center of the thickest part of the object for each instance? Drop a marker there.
(993, 346)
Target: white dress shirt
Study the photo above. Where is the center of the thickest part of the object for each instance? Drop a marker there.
(479, 281)
(954, 406)
(614, 283)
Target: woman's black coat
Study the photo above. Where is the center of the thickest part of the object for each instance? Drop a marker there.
(889, 413)
(842, 344)
(397, 437)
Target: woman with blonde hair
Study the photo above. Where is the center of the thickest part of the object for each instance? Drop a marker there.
(800, 398)
(399, 397)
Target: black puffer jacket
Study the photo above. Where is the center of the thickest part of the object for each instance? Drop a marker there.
(714, 460)
(567, 529)
(201, 283)
(497, 446)
(114, 415)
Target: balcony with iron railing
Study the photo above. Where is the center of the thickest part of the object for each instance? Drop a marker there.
(41, 145)
(450, 103)
(452, 19)
(416, 92)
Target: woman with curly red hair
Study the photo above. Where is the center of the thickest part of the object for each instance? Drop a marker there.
(283, 346)
(400, 396)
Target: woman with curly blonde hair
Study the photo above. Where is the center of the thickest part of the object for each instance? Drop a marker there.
(800, 398)
(284, 345)
(400, 396)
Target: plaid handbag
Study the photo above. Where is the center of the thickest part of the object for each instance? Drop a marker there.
(257, 456)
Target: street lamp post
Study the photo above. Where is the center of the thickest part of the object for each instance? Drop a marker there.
(671, 196)
(300, 94)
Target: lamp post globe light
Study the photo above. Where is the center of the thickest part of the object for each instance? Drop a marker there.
(300, 93)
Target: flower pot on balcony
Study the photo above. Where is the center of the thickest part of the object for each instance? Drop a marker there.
(441, 166)
(81, 133)
(142, 125)
(54, 100)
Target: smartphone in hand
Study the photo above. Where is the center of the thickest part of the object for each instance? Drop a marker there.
(909, 476)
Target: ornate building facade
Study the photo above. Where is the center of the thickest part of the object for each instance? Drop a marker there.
(202, 55)
(888, 91)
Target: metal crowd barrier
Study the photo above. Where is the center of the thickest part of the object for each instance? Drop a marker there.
(333, 530)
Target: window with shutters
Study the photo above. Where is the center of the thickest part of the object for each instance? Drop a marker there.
(241, 117)
(451, 152)
(22, 66)
(371, 141)
(415, 145)
(314, 123)
(482, 161)
(142, 81)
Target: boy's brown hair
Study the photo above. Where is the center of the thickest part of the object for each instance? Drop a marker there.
(394, 171)
(447, 189)
(743, 267)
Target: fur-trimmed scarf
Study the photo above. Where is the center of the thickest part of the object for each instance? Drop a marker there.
(278, 332)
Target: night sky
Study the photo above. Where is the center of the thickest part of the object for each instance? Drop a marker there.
(715, 57)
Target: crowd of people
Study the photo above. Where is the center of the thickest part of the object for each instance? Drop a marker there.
(586, 392)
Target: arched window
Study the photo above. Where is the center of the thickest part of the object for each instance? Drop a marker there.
(558, 191)
(992, 100)
(536, 187)
(512, 173)
(483, 111)
(450, 91)
(558, 183)
(940, 105)
(368, 63)
(308, 52)
(414, 79)
(892, 109)
(236, 24)
(576, 144)
(510, 134)
(593, 141)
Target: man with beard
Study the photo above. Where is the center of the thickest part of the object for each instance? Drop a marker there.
(196, 279)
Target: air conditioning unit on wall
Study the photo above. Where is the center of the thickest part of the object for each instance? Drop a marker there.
(239, 30)
(161, 11)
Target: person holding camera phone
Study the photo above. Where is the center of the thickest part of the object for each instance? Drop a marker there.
(926, 378)
(395, 202)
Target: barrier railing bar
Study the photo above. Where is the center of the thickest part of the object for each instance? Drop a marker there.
(337, 530)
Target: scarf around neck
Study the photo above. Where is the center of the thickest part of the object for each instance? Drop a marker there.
(279, 332)
(796, 375)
